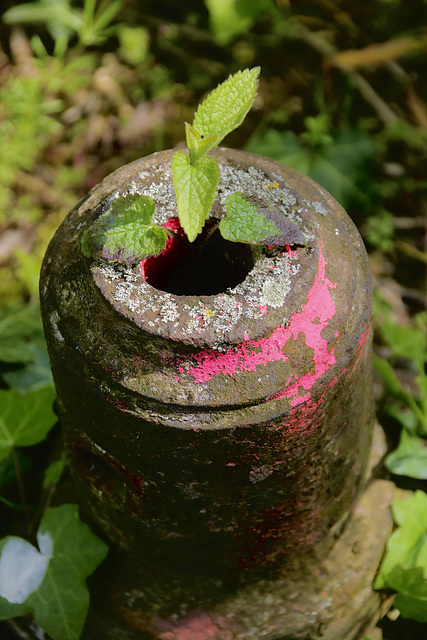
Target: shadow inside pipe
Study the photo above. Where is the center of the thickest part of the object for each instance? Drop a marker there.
(207, 266)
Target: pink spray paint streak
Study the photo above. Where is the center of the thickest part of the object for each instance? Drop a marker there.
(314, 316)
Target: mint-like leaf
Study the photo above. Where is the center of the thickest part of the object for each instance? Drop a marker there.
(50, 582)
(195, 187)
(198, 146)
(225, 107)
(247, 222)
(125, 233)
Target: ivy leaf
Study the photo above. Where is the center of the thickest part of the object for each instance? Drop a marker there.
(407, 341)
(33, 375)
(50, 583)
(125, 233)
(22, 571)
(411, 585)
(197, 145)
(225, 107)
(410, 457)
(407, 546)
(195, 187)
(25, 419)
(246, 222)
(340, 166)
(19, 327)
(395, 389)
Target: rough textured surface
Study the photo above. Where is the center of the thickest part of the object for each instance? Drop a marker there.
(214, 438)
(325, 593)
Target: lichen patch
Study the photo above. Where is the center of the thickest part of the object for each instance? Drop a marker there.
(216, 317)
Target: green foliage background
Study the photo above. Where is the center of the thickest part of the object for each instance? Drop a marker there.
(88, 86)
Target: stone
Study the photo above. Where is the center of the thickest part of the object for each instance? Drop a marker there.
(218, 439)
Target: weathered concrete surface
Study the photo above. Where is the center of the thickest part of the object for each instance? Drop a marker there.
(215, 436)
(325, 593)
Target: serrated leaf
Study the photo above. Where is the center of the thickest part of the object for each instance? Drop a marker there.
(247, 222)
(25, 419)
(225, 107)
(410, 457)
(56, 594)
(195, 188)
(125, 233)
(198, 146)
(407, 546)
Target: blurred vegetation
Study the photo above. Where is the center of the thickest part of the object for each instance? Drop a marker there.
(88, 86)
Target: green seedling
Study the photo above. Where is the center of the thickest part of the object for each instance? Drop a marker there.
(126, 232)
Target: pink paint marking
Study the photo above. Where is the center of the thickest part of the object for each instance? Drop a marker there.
(299, 399)
(198, 626)
(315, 315)
(361, 343)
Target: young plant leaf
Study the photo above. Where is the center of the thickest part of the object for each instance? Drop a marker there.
(195, 187)
(25, 419)
(198, 146)
(246, 222)
(51, 582)
(225, 107)
(125, 233)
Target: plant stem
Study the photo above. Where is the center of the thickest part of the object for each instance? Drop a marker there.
(21, 489)
(171, 233)
(209, 236)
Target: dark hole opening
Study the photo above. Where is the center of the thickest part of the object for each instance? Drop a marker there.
(205, 267)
